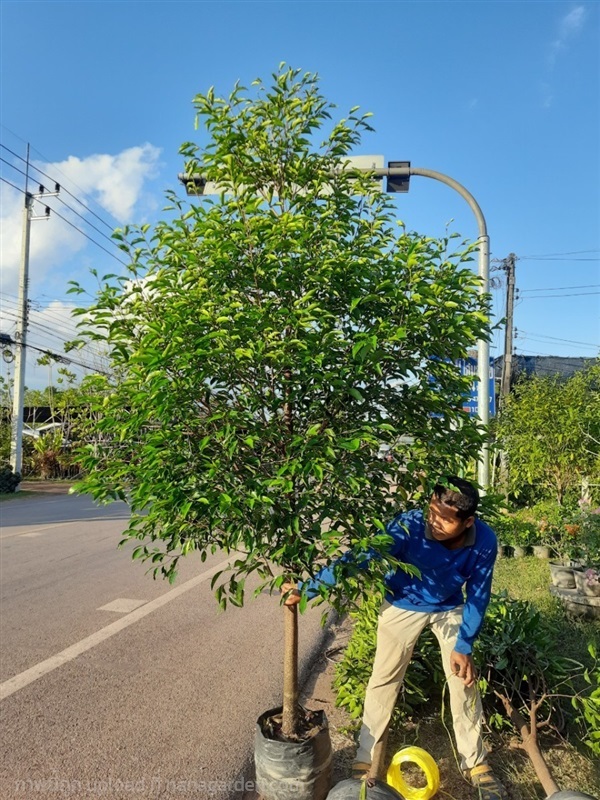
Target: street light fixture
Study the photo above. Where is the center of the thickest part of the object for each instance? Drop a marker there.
(398, 175)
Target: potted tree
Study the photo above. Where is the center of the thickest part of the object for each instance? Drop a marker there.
(268, 342)
(529, 688)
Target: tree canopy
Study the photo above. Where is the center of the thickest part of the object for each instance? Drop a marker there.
(550, 431)
(268, 340)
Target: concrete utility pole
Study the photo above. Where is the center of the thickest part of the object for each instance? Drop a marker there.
(16, 439)
(507, 361)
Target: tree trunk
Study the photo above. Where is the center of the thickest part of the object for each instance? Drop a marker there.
(289, 723)
(531, 747)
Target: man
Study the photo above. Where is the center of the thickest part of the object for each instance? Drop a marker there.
(451, 548)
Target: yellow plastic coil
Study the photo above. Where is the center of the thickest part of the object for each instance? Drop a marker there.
(420, 757)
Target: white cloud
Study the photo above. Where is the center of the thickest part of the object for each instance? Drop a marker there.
(115, 182)
(568, 27)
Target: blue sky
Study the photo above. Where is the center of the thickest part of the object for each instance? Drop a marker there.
(502, 96)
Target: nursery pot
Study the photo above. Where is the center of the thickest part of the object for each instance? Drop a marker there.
(541, 551)
(293, 770)
(519, 552)
(583, 586)
(562, 576)
(350, 790)
(569, 795)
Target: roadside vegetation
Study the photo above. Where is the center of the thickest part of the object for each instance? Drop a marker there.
(523, 614)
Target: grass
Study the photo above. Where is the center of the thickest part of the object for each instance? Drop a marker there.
(529, 579)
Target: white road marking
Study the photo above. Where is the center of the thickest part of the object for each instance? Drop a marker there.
(27, 535)
(62, 525)
(32, 674)
(123, 605)
(35, 530)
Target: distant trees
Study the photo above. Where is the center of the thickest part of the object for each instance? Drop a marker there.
(550, 431)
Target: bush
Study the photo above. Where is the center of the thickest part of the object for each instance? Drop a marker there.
(515, 532)
(8, 479)
(524, 680)
(516, 655)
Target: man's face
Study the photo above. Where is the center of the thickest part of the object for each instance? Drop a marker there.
(445, 525)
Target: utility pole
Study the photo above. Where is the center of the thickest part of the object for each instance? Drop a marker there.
(507, 366)
(16, 439)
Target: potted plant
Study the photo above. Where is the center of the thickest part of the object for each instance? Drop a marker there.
(268, 342)
(524, 678)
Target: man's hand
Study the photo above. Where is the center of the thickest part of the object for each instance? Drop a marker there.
(293, 598)
(463, 667)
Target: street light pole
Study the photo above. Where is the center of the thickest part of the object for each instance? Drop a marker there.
(483, 346)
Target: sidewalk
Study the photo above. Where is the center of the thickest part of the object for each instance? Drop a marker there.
(46, 487)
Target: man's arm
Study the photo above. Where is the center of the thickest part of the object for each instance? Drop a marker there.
(479, 589)
(326, 576)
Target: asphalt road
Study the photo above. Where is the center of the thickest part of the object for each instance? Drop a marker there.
(155, 696)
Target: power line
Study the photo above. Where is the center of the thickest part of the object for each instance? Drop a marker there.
(552, 258)
(41, 200)
(527, 337)
(83, 233)
(557, 288)
(569, 253)
(39, 329)
(575, 294)
(4, 180)
(54, 181)
(557, 339)
(60, 357)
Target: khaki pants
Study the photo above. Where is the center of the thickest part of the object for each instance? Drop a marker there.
(397, 634)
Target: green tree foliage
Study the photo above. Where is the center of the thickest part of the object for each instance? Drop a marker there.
(268, 341)
(550, 430)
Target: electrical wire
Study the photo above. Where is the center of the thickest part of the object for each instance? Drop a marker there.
(557, 339)
(541, 296)
(557, 288)
(83, 233)
(4, 180)
(41, 199)
(54, 181)
(35, 327)
(552, 255)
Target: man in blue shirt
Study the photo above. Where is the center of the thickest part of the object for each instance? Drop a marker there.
(452, 549)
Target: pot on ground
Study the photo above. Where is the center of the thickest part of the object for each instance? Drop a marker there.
(562, 576)
(350, 790)
(541, 551)
(287, 770)
(519, 552)
(569, 795)
(584, 586)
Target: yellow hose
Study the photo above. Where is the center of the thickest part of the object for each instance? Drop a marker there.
(420, 757)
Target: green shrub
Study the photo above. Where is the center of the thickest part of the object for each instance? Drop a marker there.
(523, 677)
(515, 532)
(516, 654)
(8, 480)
